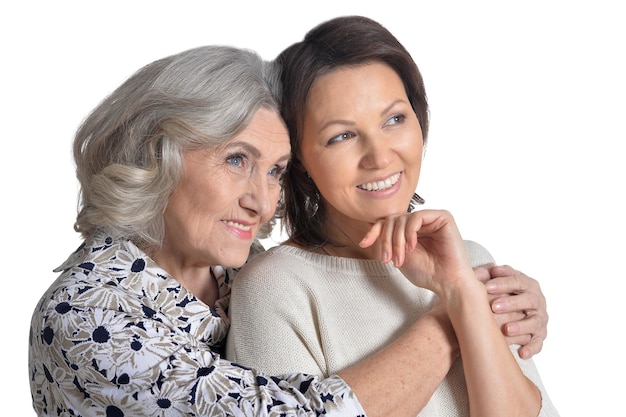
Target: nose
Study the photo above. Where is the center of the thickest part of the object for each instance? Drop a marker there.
(259, 198)
(377, 152)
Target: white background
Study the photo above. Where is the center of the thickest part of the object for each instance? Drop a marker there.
(526, 146)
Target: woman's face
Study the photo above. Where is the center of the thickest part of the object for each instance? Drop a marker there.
(362, 144)
(225, 195)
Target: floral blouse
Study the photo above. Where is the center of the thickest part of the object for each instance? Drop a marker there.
(116, 336)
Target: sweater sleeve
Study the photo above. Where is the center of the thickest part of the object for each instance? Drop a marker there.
(273, 319)
(477, 254)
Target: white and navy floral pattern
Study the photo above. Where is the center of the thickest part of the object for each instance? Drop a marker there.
(116, 336)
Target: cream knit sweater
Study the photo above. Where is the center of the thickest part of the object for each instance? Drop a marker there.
(296, 311)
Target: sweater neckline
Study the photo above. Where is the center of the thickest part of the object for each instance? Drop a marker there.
(337, 263)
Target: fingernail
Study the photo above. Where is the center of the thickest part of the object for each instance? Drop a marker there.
(497, 307)
(512, 329)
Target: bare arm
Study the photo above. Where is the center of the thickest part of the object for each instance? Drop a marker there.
(496, 384)
(430, 252)
(383, 385)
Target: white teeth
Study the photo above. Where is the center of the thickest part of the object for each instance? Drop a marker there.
(239, 225)
(380, 185)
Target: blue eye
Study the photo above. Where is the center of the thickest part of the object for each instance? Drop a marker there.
(277, 171)
(236, 160)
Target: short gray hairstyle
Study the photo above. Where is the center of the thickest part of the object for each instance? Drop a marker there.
(128, 151)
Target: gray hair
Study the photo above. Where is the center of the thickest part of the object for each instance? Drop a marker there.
(128, 151)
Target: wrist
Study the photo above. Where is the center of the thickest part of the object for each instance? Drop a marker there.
(462, 290)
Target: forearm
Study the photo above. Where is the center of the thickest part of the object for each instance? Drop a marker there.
(400, 378)
(496, 384)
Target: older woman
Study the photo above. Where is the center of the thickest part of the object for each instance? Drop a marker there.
(179, 168)
(356, 109)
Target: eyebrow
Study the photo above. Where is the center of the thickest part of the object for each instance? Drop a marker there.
(348, 122)
(386, 109)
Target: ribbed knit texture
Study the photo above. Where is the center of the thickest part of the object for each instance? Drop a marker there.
(297, 311)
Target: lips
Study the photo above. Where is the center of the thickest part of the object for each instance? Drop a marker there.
(380, 185)
(244, 227)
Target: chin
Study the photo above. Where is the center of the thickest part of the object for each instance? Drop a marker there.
(235, 261)
(387, 211)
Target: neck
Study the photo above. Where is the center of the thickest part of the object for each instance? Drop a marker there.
(196, 278)
(344, 241)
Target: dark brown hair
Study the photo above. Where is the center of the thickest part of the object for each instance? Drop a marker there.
(339, 42)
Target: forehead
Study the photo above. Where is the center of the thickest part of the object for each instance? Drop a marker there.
(360, 76)
(266, 131)
(364, 84)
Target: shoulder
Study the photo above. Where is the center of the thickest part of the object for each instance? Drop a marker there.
(274, 260)
(477, 254)
(280, 269)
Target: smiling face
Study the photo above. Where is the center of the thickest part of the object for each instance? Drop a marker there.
(224, 196)
(362, 145)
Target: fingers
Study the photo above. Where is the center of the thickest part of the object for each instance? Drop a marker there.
(535, 320)
(433, 232)
(372, 234)
(515, 291)
(397, 235)
(531, 348)
(482, 272)
(507, 322)
(529, 332)
(508, 280)
(529, 345)
(518, 302)
(391, 236)
(394, 239)
(532, 324)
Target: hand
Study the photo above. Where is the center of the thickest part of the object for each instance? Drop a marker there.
(425, 245)
(519, 307)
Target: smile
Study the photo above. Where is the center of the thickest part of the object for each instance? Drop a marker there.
(380, 185)
(243, 227)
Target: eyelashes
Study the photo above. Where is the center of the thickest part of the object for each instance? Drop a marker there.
(237, 159)
(278, 171)
(396, 119)
(240, 162)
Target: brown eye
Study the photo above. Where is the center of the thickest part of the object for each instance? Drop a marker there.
(341, 137)
(395, 119)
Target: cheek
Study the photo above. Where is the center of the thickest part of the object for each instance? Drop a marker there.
(331, 169)
(275, 195)
(412, 151)
(326, 180)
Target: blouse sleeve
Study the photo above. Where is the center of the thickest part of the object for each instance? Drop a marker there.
(92, 360)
